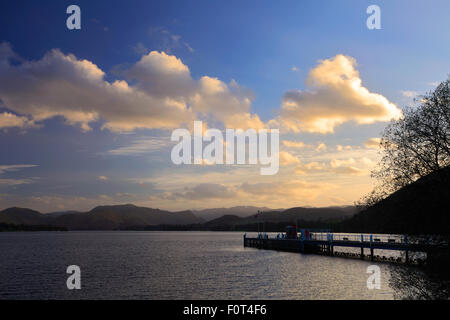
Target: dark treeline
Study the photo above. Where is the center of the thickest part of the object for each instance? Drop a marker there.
(5, 227)
(253, 227)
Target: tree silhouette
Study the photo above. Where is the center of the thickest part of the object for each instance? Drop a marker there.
(415, 145)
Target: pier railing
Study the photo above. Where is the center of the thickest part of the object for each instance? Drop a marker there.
(326, 242)
(358, 237)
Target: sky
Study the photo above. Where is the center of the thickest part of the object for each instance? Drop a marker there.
(86, 115)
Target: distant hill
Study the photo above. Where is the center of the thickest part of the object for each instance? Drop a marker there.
(22, 216)
(60, 213)
(132, 217)
(330, 214)
(326, 214)
(100, 218)
(240, 211)
(419, 208)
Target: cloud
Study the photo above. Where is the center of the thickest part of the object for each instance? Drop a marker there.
(321, 147)
(373, 143)
(294, 144)
(335, 163)
(168, 41)
(345, 166)
(104, 178)
(310, 167)
(15, 167)
(162, 75)
(228, 103)
(348, 171)
(287, 158)
(335, 95)
(62, 85)
(368, 162)
(335, 166)
(140, 49)
(342, 148)
(11, 168)
(260, 191)
(141, 146)
(162, 95)
(209, 191)
(9, 120)
(301, 190)
(15, 182)
(198, 192)
(409, 94)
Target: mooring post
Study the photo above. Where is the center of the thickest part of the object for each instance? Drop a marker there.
(328, 243)
(302, 238)
(406, 250)
(331, 245)
(362, 246)
(371, 248)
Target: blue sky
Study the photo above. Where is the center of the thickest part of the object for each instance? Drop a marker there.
(267, 47)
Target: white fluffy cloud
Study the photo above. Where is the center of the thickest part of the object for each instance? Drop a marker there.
(162, 93)
(228, 103)
(335, 96)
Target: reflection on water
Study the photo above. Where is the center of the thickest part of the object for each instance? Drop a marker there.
(173, 265)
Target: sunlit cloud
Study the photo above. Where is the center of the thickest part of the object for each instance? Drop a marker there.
(373, 143)
(162, 95)
(321, 147)
(294, 144)
(287, 158)
(335, 95)
(9, 120)
(335, 166)
(341, 147)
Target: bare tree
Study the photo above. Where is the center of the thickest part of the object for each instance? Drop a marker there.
(415, 145)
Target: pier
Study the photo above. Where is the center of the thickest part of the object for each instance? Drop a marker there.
(325, 243)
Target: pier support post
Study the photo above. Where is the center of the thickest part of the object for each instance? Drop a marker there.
(331, 245)
(371, 247)
(406, 251)
(302, 238)
(362, 247)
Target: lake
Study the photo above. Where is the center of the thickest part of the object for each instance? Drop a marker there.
(173, 265)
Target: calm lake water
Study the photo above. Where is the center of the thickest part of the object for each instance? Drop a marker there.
(173, 265)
